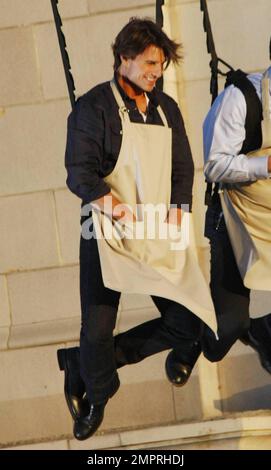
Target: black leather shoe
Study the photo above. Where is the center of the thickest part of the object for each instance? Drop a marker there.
(74, 387)
(87, 426)
(178, 372)
(259, 338)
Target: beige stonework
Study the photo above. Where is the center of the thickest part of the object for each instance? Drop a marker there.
(146, 403)
(187, 402)
(40, 310)
(234, 41)
(198, 102)
(55, 445)
(29, 373)
(21, 13)
(97, 6)
(245, 385)
(31, 420)
(28, 235)
(44, 333)
(33, 142)
(4, 336)
(4, 303)
(50, 62)
(140, 372)
(44, 295)
(19, 79)
(71, 8)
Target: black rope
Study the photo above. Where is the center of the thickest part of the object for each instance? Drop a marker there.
(215, 60)
(160, 21)
(64, 53)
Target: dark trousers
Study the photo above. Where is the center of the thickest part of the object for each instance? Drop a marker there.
(230, 296)
(100, 353)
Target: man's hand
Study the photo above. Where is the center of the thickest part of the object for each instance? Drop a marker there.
(174, 216)
(111, 206)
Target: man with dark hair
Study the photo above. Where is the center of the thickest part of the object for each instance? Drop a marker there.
(127, 149)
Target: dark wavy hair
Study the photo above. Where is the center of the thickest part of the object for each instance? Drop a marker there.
(139, 34)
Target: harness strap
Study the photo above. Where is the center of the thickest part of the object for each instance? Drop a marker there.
(64, 53)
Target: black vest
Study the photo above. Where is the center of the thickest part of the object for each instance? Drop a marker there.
(254, 116)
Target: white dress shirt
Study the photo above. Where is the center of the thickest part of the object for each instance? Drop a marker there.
(223, 136)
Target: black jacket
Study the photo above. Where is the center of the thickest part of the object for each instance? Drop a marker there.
(94, 140)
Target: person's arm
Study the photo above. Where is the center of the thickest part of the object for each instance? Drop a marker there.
(84, 153)
(223, 135)
(84, 147)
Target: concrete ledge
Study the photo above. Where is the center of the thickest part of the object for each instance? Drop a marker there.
(182, 434)
(239, 431)
(44, 333)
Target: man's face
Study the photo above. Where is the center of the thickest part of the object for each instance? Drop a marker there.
(145, 69)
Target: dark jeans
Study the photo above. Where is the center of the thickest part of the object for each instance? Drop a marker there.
(230, 296)
(100, 353)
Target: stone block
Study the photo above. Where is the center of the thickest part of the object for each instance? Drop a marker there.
(32, 397)
(33, 142)
(52, 74)
(97, 6)
(4, 336)
(34, 419)
(107, 441)
(18, 13)
(68, 208)
(186, 27)
(28, 238)
(4, 303)
(44, 332)
(71, 9)
(232, 32)
(29, 373)
(141, 404)
(140, 372)
(239, 443)
(187, 401)
(46, 295)
(244, 384)
(198, 101)
(19, 79)
(251, 53)
(54, 445)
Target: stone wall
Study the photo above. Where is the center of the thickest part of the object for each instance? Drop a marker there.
(39, 297)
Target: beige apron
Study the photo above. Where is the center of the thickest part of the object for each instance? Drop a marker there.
(148, 265)
(247, 211)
